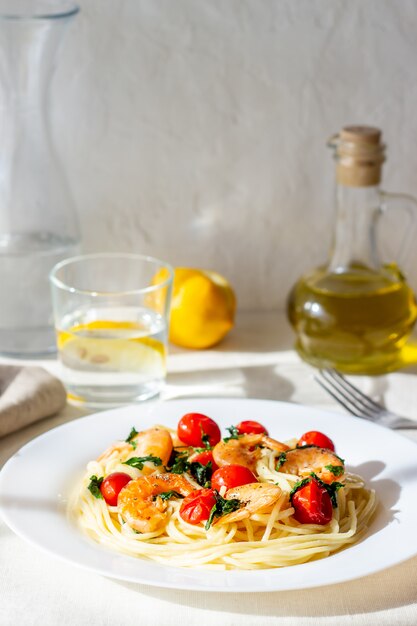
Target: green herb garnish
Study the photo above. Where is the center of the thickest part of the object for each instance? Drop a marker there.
(234, 433)
(179, 463)
(206, 440)
(94, 486)
(199, 450)
(336, 470)
(166, 495)
(331, 489)
(139, 461)
(201, 473)
(280, 461)
(299, 485)
(131, 437)
(222, 507)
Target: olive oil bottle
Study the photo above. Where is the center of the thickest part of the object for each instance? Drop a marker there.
(356, 312)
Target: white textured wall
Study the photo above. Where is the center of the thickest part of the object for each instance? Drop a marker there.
(195, 130)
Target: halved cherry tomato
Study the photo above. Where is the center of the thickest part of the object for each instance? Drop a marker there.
(193, 426)
(312, 504)
(196, 507)
(112, 486)
(232, 476)
(249, 427)
(204, 458)
(315, 438)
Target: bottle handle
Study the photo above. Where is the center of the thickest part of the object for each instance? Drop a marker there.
(408, 204)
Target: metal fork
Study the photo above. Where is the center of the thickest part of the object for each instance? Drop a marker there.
(357, 402)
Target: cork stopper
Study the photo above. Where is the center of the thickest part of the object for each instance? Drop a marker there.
(359, 154)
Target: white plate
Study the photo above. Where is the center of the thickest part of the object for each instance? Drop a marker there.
(35, 481)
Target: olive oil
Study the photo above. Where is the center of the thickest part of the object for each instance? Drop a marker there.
(357, 312)
(356, 320)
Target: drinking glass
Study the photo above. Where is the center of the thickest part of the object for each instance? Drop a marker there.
(111, 315)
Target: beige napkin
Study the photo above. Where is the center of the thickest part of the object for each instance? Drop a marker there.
(27, 394)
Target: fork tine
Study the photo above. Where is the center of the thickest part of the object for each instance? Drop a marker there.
(345, 396)
(338, 396)
(357, 402)
(349, 386)
(361, 407)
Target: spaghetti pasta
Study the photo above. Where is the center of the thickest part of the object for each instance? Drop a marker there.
(264, 539)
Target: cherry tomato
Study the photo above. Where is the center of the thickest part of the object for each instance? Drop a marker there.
(204, 458)
(315, 438)
(232, 476)
(112, 485)
(249, 427)
(312, 504)
(196, 507)
(193, 426)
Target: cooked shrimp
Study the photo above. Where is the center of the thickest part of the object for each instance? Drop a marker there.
(121, 448)
(302, 461)
(153, 441)
(254, 498)
(176, 441)
(246, 450)
(139, 505)
(156, 442)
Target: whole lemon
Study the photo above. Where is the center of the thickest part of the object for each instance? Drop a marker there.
(202, 310)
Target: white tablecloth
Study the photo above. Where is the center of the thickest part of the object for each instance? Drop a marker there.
(255, 361)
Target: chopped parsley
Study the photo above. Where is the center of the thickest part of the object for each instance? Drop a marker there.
(131, 438)
(199, 450)
(336, 470)
(201, 473)
(331, 489)
(178, 464)
(280, 461)
(139, 461)
(222, 507)
(299, 485)
(233, 433)
(94, 486)
(166, 495)
(206, 440)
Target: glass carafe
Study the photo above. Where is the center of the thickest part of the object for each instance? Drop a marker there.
(38, 225)
(356, 312)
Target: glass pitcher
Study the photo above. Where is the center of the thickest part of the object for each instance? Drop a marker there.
(356, 312)
(38, 225)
